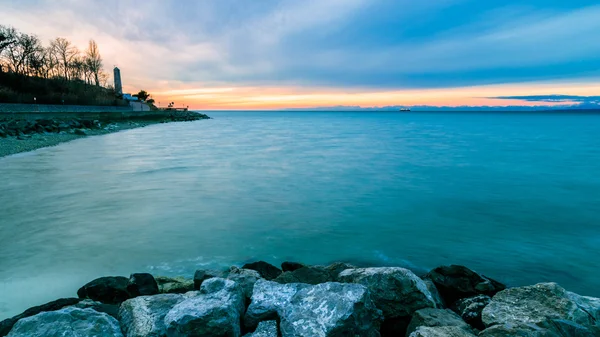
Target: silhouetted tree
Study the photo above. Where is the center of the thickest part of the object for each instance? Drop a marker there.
(142, 95)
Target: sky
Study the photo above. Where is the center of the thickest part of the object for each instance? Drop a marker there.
(273, 54)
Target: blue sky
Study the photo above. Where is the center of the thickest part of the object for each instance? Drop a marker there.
(333, 46)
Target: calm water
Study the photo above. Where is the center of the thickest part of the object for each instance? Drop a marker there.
(515, 196)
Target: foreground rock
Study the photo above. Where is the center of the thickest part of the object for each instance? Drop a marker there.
(245, 278)
(7, 324)
(265, 329)
(268, 301)
(433, 318)
(144, 316)
(174, 285)
(331, 309)
(545, 306)
(458, 282)
(267, 271)
(470, 310)
(215, 311)
(443, 331)
(67, 322)
(202, 275)
(109, 290)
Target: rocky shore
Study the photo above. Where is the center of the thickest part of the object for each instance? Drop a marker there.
(261, 300)
(23, 135)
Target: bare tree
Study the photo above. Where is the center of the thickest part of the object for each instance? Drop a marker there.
(94, 60)
(23, 55)
(7, 38)
(65, 53)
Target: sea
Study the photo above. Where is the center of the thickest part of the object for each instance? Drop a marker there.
(512, 195)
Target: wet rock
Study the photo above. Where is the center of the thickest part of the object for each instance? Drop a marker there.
(520, 330)
(265, 329)
(457, 282)
(7, 324)
(331, 309)
(397, 292)
(470, 310)
(313, 274)
(67, 322)
(291, 266)
(442, 331)
(535, 305)
(142, 284)
(109, 290)
(436, 318)
(174, 285)
(268, 301)
(215, 311)
(266, 270)
(435, 294)
(201, 275)
(245, 278)
(110, 309)
(144, 316)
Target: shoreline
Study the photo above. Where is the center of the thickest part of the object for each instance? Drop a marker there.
(262, 300)
(30, 137)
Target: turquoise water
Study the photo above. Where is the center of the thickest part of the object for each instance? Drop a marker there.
(514, 196)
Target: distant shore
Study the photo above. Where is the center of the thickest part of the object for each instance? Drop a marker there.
(20, 135)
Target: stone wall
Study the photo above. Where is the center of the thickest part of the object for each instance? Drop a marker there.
(7, 108)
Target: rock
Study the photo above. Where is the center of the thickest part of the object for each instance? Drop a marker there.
(441, 331)
(67, 322)
(265, 329)
(110, 309)
(144, 316)
(535, 305)
(174, 285)
(64, 126)
(7, 324)
(201, 275)
(436, 318)
(267, 271)
(109, 290)
(313, 274)
(331, 309)
(215, 311)
(142, 285)
(435, 294)
(80, 132)
(3, 134)
(470, 310)
(520, 330)
(397, 292)
(269, 299)
(245, 278)
(291, 266)
(457, 282)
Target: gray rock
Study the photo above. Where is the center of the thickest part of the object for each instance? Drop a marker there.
(110, 309)
(397, 292)
(435, 294)
(456, 282)
(245, 278)
(266, 270)
(331, 309)
(470, 309)
(436, 318)
(144, 316)
(109, 290)
(268, 301)
(201, 275)
(517, 330)
(265, 329)
(214, 311)
(538, 304)
(142, 284)
(174, 285)
(7, 324)
(441, 331)
(67, 322)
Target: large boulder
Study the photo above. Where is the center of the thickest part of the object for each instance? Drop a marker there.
(214, 311)
(245, 278)
(441, 331)
(110, 309)
(436, 318)
(174, 285)
(314, 274)
(144, 316)
(457, 282)
(470, 309)
(291, 266)
(331, 309)
(268, 301)
(265, 329)
(110, 290)
(7, 324)
(266, 270)
(202, 275)
(142, 284)
(397, 292)
(538, 304)
(67, 322)
(518, 330)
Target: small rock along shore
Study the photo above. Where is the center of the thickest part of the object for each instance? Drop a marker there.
(261, 300)
(23, 135)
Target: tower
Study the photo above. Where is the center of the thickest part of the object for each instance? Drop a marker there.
(118, 83)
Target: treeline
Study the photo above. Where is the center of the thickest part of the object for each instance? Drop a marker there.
(56, 73)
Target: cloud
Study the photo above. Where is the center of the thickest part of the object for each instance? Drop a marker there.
(570, 99)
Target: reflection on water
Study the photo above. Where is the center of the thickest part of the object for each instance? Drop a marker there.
(514, 196)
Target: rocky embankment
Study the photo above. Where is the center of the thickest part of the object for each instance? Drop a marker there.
(261, 300)
(21, 135)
